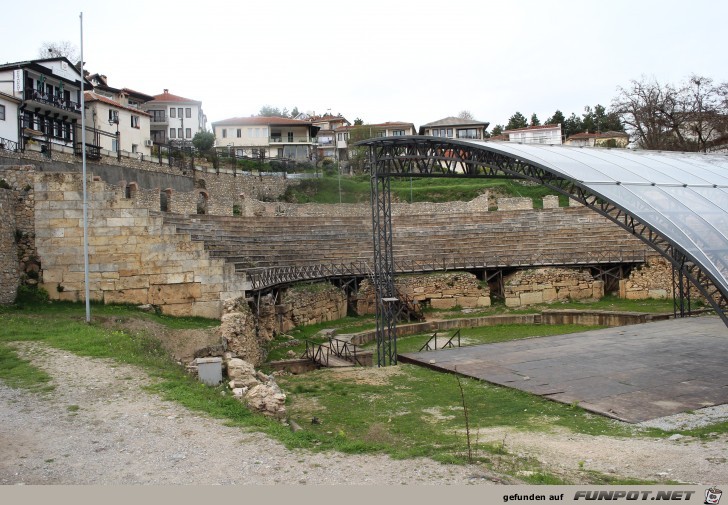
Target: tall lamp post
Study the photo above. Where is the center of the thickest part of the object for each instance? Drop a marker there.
(115, 121)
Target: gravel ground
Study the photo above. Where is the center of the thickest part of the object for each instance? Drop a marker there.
(99, 427)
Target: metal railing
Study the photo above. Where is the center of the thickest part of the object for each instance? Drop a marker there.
(449, 344)
(262, 278)
(8, 145)
(345, 350)
(51, 99)
(318, 353)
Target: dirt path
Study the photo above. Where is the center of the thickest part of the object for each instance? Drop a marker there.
(100, 427)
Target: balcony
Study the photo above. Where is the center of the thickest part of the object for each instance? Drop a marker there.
(53, 101)
(158, 119)
(291, 140)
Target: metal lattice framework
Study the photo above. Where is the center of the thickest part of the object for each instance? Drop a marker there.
(417, 156)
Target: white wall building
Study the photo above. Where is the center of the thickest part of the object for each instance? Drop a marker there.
(543, 134)
(174, 118)
(47, 95)
(107, 117)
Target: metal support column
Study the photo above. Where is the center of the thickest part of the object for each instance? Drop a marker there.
(386, 300)
(680, 287)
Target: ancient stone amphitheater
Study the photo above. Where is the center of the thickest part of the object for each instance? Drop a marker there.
(188, 263)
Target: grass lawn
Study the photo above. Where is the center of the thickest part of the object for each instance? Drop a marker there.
(404, 411)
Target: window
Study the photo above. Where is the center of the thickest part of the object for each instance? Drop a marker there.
(135, 121)
(172, 112)
(435, 133)
(449, 132)
(157, 116)
(188, 133)
(250, 133)
(113, 116)
(188, 112)
(224, 133)
(134, 148)
(179, 133)
(257, 132)
(2, 113)
(179, 112)
(114, 145)
(397, 133)
(290, 136)
(381, 134)
(240, 132)
(468, 133)
(172, 133)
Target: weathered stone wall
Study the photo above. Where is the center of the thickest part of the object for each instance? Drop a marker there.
(547, 285)
(133, 257)
(520, 203)
(9, 275)
(652, 280)
(551, 202)
(307, 304)
(20, 179)
(300, 305)
(439, 291)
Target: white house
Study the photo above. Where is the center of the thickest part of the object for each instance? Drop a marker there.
(9, 121)
(455, 128)
(174, 118)
(47, 94)
(267, 137)
(543, 134)
(117, 128)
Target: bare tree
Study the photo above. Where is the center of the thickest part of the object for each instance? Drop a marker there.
(59, 49)
(465, 114)
(691, 117)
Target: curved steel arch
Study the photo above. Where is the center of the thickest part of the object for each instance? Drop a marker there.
(637, 196)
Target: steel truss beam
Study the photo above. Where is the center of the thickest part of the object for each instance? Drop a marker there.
(433, 157)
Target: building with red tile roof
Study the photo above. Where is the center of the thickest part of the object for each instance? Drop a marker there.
(174, 118)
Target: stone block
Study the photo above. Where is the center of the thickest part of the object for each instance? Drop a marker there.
(484, 301)
(442, 303)
(531, 298)
(133, 296)
(513, 301)
(660, 294)
(173, 293)
(549, 295)
(467, 302)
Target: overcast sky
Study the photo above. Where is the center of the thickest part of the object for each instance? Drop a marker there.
(382, 60)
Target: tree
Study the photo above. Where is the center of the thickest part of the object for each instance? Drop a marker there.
(358, 121)
(358, 154)
(516, 121)
(294, 112)
(268, 111)
(534, 120)
(465, 114)
(557, 118)
(572, 125)
(497, 130)
(689, 117)
(59, 49)
(203, 141)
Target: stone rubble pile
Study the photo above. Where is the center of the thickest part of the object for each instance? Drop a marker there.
(258, 391)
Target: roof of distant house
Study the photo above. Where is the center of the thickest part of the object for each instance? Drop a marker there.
(169, 97)
(90, 96)
(456, 121)
(539, 127)
(387, 124)
(260, 120)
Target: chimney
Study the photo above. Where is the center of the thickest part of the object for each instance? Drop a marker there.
(166, 90)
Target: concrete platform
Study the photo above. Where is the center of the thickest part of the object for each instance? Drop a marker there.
(633, 373)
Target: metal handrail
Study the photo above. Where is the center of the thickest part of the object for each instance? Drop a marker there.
(316, 352)
(427, 346)
(449, 342)
(8, 145)
(263, 277)
(345, 350)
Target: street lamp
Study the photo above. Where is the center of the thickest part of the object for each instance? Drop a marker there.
(115, 121)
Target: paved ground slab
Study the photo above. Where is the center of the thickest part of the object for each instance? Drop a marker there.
(633, 373)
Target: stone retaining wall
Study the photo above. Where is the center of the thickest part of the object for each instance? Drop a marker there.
(439, 291)
(20, 179)
(546, 285)
(652, 280)
(133, 257)
(9, 275)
